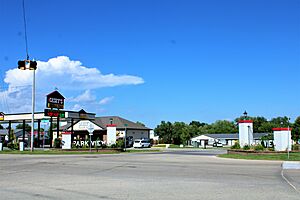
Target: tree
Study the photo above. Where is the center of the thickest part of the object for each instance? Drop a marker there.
(140, 123)
(178, 129)
(197, 123)
(185, 135)
(27, 127)
(164, 131)
(296, 130)
(260, 125)
(223, 126)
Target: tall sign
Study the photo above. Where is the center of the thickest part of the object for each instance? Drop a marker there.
(55, 100)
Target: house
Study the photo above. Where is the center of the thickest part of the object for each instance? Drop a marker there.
(227, 139)
(3, 135)
(102, 124)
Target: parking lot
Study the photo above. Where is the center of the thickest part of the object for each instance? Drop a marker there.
(155, 175)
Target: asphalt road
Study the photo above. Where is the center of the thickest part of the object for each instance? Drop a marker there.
(165, 175)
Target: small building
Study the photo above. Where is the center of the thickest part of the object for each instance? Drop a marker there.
(226, 139)
(101, 125)
(3, 134)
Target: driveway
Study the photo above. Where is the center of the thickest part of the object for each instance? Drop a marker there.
(163, 175)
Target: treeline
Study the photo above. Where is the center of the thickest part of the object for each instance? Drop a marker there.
(180, 132)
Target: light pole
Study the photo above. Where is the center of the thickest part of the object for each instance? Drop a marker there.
(288, 142)
(125, 135)
(31, 65)
(249, 136)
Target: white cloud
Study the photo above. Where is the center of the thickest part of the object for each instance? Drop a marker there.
(76, 107)
(87, 96)
(67, 75)
(63, 72)
(106, 100)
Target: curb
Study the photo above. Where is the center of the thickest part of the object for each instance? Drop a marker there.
(290, 165)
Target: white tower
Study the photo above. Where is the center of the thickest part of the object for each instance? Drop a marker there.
(246, 132)
(282, 139)
(111, 132)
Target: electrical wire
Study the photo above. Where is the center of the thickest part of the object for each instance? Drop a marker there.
(25, 29)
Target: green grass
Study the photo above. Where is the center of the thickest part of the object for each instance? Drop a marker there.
(60, 152)
(279, 156)
(159, 145)
(53, 152)
(140, 151)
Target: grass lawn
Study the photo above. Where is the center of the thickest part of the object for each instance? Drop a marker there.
(60, 152)
(293, 156)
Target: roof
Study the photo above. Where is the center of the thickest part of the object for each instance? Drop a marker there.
(3, 132)
(19, 133)
(233, 136)
(55, 94)
(119, 122)
(116, 120)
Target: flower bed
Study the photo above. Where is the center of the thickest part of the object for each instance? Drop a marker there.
(247, 152)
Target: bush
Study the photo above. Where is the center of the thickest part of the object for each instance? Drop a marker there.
(246, 147)
(120, 143)
(73, 146)
(296, 147)
(57, 143)
(13, 146)
(258, 147)
(236, 146)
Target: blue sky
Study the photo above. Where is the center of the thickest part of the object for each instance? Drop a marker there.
(156, 60)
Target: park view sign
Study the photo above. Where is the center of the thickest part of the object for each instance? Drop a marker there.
(81, 144)
(55, 100)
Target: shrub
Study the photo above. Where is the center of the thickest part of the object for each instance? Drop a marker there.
(13, 146)
(246, 147)
(296, 147)
(236, 146)
(271, 148)
(258, 147)
(73, 146)
(57, 143)
(120, 143)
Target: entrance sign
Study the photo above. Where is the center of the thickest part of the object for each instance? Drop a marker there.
(80, 143)
(55, 100)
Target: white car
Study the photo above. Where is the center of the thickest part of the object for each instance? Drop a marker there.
(141, 143)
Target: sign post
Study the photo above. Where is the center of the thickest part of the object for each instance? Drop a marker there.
(90, 129)
(125, 135)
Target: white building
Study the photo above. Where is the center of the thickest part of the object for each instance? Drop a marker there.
(226, 139)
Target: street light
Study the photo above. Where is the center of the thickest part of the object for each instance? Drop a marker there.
(245, 114)
(31, 65)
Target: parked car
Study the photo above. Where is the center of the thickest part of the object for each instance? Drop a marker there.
(141, 143)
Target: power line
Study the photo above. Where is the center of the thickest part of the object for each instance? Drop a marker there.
(25, 29)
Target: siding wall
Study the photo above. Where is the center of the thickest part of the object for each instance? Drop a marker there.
(138, 134)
